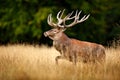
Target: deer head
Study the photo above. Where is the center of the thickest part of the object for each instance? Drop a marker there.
(61, 26)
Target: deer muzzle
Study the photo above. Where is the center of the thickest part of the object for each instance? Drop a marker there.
(45, 34)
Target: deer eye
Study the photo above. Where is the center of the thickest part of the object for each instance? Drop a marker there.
(55, 31)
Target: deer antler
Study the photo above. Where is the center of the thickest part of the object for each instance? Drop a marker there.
(76, 19)
(49, 20)
(68, 17)
(59, 18)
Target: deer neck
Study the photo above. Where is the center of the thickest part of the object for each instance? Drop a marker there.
(61, 42)
(62, 37)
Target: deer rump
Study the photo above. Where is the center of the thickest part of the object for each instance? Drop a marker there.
(76, 51)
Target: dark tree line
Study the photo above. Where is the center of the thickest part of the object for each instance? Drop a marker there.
(24, 21)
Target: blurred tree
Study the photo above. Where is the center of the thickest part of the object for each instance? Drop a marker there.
(24, 21)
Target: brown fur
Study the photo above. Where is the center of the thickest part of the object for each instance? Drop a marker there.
(75, 50)
(72, 49)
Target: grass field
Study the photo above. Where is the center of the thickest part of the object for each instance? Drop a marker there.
(28, 62)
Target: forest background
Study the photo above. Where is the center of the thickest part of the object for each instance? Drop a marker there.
(25, 21)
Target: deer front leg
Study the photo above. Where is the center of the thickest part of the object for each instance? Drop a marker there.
(73, 58)
(58, 57)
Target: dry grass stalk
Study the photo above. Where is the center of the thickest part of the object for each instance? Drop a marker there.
(27, 62)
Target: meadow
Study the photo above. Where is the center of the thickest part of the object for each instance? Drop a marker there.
(28, 62)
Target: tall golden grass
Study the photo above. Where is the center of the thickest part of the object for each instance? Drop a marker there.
(28, 62)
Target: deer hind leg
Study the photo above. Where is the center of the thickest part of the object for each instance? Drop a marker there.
(101, 57)
(102, 60)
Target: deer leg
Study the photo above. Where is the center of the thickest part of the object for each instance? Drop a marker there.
(74, 60)
(58, 57)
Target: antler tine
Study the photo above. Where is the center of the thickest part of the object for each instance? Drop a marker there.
(76, 20)
(76, 15)
(58, 14)
(79, 13)
(49, 20)
(62, 13)
(59, 17)
(68, 17)
(84, 18)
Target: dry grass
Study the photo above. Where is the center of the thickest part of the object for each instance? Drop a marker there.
(27, 62)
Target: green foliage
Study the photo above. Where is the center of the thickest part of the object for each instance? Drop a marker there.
(26, 20)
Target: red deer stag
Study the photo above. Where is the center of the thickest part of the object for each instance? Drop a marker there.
(73, 49)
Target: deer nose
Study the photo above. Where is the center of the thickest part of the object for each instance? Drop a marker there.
(45, 34)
